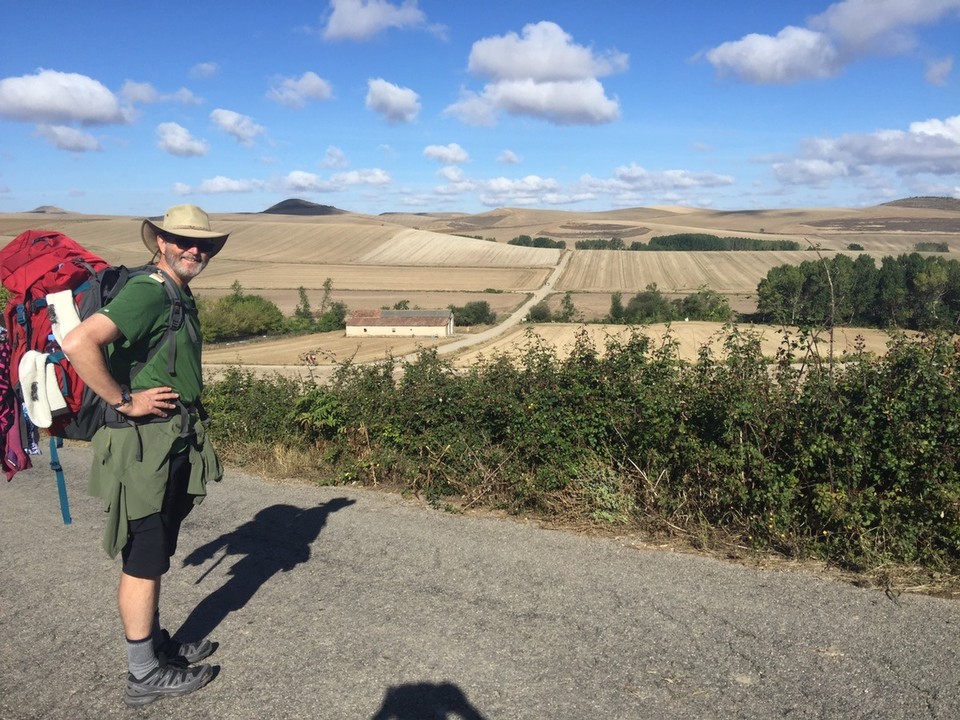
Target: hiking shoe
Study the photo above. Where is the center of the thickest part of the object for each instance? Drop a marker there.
(167, 681)
(181, 654)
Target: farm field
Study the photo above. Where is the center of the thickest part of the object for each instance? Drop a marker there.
(689, 336)
(335, 347)
(434, 260)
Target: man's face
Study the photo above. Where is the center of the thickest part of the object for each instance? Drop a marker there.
(183, 258)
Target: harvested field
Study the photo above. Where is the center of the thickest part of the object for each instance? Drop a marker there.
(287, 355)
(691, 336)
(224, 272)
(415, 247)
(595, 306)
(330, 348)
(725, 272)
(287, 299)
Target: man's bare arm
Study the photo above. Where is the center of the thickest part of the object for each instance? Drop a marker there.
(84, 346)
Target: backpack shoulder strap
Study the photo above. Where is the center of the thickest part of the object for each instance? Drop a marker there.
(176, 321)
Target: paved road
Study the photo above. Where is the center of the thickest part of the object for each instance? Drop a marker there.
(355, 604)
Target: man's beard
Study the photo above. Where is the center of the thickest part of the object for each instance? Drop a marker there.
(186, 271)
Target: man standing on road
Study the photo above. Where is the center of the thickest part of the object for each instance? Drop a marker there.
(152, 460)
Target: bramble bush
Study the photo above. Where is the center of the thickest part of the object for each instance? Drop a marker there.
(853, 460)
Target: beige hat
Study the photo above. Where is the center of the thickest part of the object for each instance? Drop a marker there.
(187, 221)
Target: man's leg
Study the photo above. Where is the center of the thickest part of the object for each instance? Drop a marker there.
(138, 599)
(145, 560)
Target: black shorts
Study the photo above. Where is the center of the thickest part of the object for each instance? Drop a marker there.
(152, 540)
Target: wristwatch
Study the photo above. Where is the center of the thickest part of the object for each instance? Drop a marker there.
(125, 398)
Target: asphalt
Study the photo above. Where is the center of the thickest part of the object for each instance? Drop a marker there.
(342, 602)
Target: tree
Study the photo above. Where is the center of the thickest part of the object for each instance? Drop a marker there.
(616, 307)
(334, 318)
(649, 306)
(303, 311)
(779, 294)
(473, 313)
(325, 300)
(706, 304)
(540, 313)
(568, 312)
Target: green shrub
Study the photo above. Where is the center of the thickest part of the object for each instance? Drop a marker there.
(856, 462)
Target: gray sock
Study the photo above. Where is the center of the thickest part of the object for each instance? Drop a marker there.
(141, 657)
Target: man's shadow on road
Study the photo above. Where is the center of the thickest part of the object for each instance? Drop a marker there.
(418, 701)
(277, 539)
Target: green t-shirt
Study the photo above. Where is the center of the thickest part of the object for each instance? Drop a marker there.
(141, 311)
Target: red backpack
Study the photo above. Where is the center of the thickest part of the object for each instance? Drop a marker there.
(49, 274)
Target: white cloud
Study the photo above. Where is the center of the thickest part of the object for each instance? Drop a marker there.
(241, 127)
(334, 158)
(545, 53)
(452, 174)
(135, 92)
(56, 97)
(472, 109)
(184, 96)
(938, 71)
(396, 104)
(294, 92)
(928, 147)
(370, 176)
(68, 138)
(451, 154)
(541, 73)
(509, 157)
(182, 189)
(177, 140)
(884, 26)
(302, 181)
(362, 19)
(204, 70)
(794, 54)
(843, 33)
(528, 190)
(220, 184)
(139, 92)
(811, 172)
(575, 102)
(632, 180)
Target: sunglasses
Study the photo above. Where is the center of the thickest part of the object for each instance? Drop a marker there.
(204, 246)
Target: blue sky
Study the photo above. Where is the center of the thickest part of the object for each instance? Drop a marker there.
(374, 106)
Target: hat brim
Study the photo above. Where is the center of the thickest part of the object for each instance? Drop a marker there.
(149, 231)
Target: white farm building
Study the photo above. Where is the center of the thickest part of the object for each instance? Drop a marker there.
(416, 323)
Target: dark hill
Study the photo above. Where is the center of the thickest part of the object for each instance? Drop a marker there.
(302, 207)
(48, 210)
(927, 203)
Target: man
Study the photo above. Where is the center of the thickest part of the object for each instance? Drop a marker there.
(152, 460)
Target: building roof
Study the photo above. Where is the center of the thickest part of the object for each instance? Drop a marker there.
(404, 318)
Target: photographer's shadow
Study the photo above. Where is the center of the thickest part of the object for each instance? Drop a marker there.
(277, 539)
(418, 701)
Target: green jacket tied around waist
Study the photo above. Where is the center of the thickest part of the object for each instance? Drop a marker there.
(131, 466)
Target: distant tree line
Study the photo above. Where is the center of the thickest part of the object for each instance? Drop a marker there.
(600, 244)
(689, 241)
(704, 242)
(538, 242)
(909, 292)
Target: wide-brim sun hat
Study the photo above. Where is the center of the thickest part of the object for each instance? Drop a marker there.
(186, 221)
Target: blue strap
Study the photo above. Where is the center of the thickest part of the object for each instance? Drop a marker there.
(55, 465)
